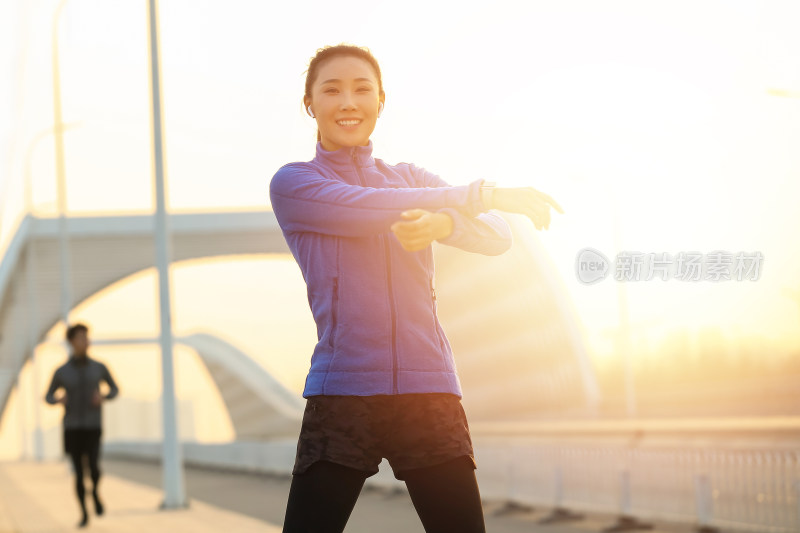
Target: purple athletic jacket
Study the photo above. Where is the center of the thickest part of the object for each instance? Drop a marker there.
(374, 303)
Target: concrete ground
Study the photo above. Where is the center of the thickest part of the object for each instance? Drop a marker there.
(38, 498)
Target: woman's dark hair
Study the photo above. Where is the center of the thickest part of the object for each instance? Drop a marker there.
(340, 50)
(75, 328)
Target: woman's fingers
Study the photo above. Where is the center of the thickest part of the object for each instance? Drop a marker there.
(544, 213)
(534, 216)
(412, 235)
(414, 245)
(408, 226)
(549, 199)
(540, 204)
(540, 215)
(546, 218)
(528, 201)
(413, 214)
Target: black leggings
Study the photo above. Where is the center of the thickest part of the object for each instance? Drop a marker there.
(445, 496)
(94, 470)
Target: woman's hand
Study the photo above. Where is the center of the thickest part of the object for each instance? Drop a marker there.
(419, 228)
(527, 201)
(97, 399)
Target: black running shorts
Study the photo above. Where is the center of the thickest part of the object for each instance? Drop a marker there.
(409, 430)
(81, 440)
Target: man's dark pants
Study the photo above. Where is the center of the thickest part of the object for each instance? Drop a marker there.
(77, 443)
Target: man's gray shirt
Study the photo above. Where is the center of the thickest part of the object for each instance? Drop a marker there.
(81, 378)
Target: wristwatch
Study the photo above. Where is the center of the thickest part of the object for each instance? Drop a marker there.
(487, 193)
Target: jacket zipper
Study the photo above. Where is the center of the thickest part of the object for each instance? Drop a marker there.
(389, 284)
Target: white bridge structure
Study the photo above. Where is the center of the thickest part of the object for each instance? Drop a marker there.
(103, 250)
(260, 407)
(518, 353)
(515, 339)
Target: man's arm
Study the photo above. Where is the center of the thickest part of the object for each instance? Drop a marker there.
(114, 390)
(55, 383)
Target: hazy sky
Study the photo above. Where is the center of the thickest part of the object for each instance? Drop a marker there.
(658, 108)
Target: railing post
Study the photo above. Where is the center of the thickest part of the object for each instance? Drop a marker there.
(626, 521)
(511, 504)
(796, 487)
(704, 507)
(559, 512)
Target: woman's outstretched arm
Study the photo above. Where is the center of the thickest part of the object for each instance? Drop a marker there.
(304, 200)
(484, 233)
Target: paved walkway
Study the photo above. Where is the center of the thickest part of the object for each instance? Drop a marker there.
(38, 498)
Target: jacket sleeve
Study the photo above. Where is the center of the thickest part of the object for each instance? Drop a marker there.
(304, 200)
(114, 390)
(486, 233)
(55, 384)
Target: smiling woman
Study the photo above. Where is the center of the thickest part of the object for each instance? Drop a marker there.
(383, 381)
(348, 101)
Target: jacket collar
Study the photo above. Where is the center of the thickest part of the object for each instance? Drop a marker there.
(346, 157)
(79, 361)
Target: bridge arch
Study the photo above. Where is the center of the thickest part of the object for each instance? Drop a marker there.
(513, 333)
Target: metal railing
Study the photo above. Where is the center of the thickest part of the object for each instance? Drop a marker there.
(710, 489)
(742, 489)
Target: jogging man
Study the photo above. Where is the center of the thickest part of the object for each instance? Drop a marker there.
(80, 378)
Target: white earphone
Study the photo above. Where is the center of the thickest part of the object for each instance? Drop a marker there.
(380, 109)
(310, 112)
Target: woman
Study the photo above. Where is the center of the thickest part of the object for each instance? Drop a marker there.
(382, 381)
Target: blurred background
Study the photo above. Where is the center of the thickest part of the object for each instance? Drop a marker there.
(659, 127)
(660, 116)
